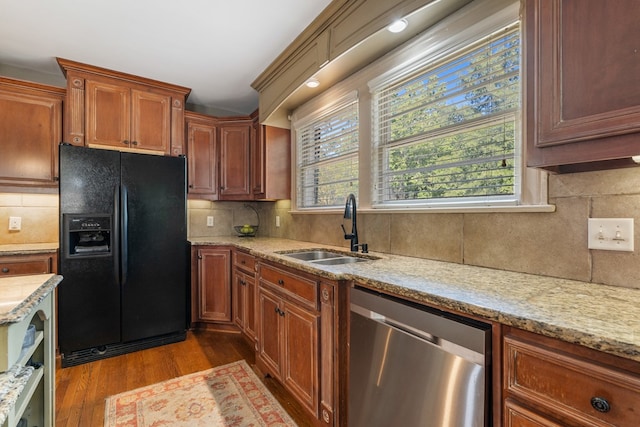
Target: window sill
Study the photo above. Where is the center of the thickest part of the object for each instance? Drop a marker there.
(462, 209)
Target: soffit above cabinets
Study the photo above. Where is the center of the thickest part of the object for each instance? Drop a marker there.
(342, 40)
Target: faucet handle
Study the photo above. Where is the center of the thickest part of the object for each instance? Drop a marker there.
(346, 236)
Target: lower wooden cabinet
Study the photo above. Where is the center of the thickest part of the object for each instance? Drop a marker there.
(211, 285)
(244, 294)
(18, 265)
(301, 340)
(288, 337)
(551, 383)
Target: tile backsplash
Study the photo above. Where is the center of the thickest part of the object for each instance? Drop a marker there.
(39, 214)
(551, 244)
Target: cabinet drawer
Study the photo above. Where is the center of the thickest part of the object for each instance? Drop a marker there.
(17, 266)
(244, 261)
(300, 288)
(569, 386)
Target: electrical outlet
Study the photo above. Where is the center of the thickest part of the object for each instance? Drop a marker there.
(209, 221)
(611, 234)
(15, 223)
(277, 220)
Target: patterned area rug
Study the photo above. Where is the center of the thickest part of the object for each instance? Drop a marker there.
(229, 395)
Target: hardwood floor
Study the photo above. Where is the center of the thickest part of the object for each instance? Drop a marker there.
(81, 390)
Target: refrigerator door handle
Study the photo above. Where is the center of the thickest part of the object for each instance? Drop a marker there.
(124, 232)
(116, 234)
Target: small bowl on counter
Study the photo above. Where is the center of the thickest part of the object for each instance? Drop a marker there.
(246, 230)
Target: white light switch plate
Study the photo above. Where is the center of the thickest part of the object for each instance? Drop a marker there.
(209, 221)
(611, 234)
(15, 223)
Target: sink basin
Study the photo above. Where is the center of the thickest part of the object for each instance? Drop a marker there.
(340, 260)
(313, 255)
(325, 257)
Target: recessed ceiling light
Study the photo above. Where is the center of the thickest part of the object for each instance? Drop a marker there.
(312, 82)
(398, 26)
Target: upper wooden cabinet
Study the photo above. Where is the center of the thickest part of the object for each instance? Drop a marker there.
(270, 162)
(30, 131)
(583, 84)
(202, 156)
(236, 158)
(110, 109)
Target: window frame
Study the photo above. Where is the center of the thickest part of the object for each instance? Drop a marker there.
(485, 17)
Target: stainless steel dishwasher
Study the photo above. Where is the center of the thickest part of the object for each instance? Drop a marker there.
(414, 366)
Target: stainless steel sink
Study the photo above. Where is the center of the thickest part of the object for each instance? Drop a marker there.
(340, 260)
(325, 257)
(313, 255)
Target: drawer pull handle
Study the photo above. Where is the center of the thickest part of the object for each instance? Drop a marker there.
(600, 404)
(5, 270)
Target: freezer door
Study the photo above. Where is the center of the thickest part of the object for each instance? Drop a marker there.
(89, 295)
(154, 246)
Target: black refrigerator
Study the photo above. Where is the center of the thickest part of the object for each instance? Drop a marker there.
(123, 253)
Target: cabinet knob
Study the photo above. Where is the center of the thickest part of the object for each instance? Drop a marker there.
(125, 142)
(134, 142)
(280, 282)
(5, 269)
(600, 404)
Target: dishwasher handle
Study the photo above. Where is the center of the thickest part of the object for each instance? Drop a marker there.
(417, 333)
(424, 336)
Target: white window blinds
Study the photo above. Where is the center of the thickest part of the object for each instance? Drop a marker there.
(327, 156)
(449, 133)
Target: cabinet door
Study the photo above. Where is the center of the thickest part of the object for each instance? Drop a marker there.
(239, 299)
(583, 86)
(30, 130)
(270, 331)
(244, 303)
(108, 114)
(271, 163)
(214, 285)
(250, 308)
(202, 149)
(150, 121)
(257, 160)
(234, 162)
(518, 416)
(300, 373)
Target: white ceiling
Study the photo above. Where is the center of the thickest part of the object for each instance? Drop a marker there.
(215, 47)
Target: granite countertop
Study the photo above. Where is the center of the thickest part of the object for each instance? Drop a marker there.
(596, 316)
(19, 294)
(18, 297)
(28, 248)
